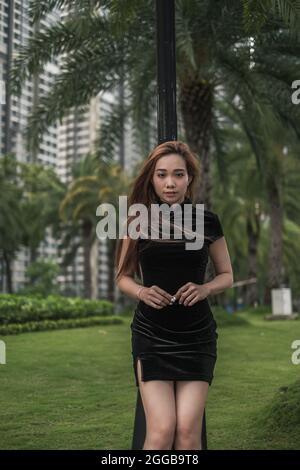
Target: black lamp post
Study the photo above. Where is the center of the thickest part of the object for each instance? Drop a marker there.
(166, 71)
(167, 130)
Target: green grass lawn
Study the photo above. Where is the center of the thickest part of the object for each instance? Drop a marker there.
(75, 389)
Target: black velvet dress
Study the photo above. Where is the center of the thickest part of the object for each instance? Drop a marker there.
(175, 342)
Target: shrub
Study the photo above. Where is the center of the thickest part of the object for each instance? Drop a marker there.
(45, 325)
(16, 308)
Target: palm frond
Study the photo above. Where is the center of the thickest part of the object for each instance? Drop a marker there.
(38, 9)
(71, 89)
(257, 14)
(80, 33)
(111, 131)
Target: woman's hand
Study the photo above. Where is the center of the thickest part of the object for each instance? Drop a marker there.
(191, 293)
(155, 297)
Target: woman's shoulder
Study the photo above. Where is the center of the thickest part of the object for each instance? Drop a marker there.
(213, 225)
(209, 215)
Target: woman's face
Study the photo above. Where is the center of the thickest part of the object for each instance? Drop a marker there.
(170, 178)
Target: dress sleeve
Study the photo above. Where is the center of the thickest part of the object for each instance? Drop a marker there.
(214, 230)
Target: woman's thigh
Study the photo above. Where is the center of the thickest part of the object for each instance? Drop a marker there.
(190, 403)
(159, 402)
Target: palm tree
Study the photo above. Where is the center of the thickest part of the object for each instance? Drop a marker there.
(238, 52)
(240, 198)
(278, 190)
(29, 204)
(12, 222)
(103, 46)
(42, 192)
(268, 139)
(93, 184)
(258, 191)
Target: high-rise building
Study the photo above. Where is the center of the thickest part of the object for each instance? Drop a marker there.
(15, 31)
(60, 147)
(77, 135)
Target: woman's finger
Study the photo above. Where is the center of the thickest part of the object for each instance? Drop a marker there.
(162, 292)
(185, 295)
(159, 300)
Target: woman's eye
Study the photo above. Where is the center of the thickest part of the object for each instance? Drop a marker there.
(178, 174)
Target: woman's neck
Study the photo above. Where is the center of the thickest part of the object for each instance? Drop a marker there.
(186, 200)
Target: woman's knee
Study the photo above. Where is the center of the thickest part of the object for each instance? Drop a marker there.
(163, 428)
(189, 431)
(161, 435)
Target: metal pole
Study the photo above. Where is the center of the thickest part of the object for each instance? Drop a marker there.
(167, 130)
(166, 71)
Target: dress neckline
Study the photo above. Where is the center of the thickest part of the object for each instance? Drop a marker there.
(186, 200)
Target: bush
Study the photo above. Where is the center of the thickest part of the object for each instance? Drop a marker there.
(41, 278)
(16, 308)
(45, 325)
(223, 318)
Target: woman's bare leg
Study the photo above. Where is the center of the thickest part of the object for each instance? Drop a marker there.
(190, 403)
(160, 412)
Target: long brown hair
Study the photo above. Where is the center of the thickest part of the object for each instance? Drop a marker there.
(143, 192)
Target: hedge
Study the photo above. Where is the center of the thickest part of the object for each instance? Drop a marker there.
(16, 308)
(45, 325)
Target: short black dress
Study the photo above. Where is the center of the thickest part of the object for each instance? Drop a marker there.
(175, 342)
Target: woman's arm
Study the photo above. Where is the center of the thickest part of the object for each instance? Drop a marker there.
(126, 283)
(153, 296)
(131, 288)
(219, 255)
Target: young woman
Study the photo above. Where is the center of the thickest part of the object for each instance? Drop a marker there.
(174, 337)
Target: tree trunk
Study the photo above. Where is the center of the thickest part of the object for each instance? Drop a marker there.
(276, 227)
(33, 254)
(87, 246)
(196, 101)
(94, 269)
(253, 233)
(7, 261)
(111, 270)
